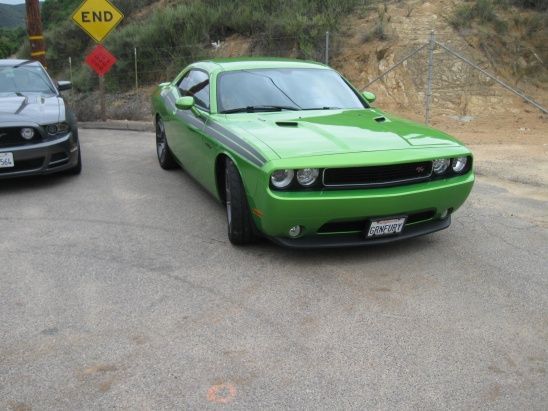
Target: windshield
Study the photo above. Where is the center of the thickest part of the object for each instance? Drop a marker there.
(284, 89)
(25, 79)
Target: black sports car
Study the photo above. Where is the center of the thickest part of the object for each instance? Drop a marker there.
(38, 132)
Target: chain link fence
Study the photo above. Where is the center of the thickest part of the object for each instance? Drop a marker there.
(429, 74)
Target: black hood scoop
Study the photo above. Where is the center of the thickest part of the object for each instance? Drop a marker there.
(287, 123)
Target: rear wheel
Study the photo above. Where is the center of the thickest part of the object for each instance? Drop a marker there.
(165, 158)
(241, 228)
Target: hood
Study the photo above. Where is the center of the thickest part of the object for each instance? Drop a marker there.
(41, 109)
(291, 134)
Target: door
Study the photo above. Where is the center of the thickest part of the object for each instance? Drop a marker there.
(185, 131)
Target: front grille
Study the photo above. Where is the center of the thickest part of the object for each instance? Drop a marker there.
(24, 165)
(377, 176)
(360, 225)
(11, 136)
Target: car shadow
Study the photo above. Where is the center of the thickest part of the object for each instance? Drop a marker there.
(408, 246)
(19, 184)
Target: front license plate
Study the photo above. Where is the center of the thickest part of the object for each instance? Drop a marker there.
(6, 160)
(387, 226)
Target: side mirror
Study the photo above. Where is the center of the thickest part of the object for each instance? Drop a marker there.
(369, 97)
(64, 85)
(184, 103)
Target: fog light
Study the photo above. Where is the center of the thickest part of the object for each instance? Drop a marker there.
(444, 214)
(27, 133)
(295, 231)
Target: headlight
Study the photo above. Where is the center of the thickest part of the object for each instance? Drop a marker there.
(440, 165)
(58, 128)
(27, 133)
(281, 178)
(307, 176)
(458, 164)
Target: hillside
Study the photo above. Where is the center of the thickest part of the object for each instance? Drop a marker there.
(12, 15)
(504, 37)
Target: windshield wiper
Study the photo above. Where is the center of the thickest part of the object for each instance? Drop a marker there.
(322, 108)
(23, 63)
(253, 109)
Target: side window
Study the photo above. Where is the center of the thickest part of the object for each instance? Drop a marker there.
(183, 84)
(196, 84)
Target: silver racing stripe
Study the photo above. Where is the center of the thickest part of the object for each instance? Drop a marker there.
(215, 128)
(225, 137)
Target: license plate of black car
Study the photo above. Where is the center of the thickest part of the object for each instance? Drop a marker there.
(6, 160)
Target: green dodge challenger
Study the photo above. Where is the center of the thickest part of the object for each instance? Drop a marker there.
(299, 156)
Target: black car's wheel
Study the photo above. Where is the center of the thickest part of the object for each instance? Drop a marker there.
(241, 229)
(167, 162)
(77, 169)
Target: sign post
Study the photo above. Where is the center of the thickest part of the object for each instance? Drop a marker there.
(98, 18)
(101, 61)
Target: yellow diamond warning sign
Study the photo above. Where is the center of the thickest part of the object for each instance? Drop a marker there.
(97, 18)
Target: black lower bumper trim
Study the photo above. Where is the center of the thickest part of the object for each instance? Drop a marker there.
(356, 240)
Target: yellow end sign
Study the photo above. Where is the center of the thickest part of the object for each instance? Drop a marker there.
(97, 18)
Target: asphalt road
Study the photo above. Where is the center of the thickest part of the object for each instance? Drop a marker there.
(119, 289)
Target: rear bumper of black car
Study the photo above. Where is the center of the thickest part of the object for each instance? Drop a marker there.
(52, 156)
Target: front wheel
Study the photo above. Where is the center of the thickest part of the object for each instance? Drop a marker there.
(165, 158)
(241, 228)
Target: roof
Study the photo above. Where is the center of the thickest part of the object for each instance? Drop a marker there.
(14, 62)
(246, 63)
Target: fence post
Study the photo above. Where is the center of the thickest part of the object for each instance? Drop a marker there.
(327, 48)
(136, 75)
(70, 68)
(428, 96)
(102, 98)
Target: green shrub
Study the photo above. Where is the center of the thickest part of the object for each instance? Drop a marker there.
(481, 11)
(462, 16)
(172, 36)
(540, 5)
(10, 41)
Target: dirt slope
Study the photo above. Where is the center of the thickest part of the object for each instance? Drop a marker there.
(457, 88)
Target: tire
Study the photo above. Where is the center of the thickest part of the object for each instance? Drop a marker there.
(241, 228)
(77, 169)
(165, 157)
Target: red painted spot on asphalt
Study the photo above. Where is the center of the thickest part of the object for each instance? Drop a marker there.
(221, 393)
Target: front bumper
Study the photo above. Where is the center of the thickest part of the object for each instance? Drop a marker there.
(358, 239)
(51, 156)
(276, 212)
